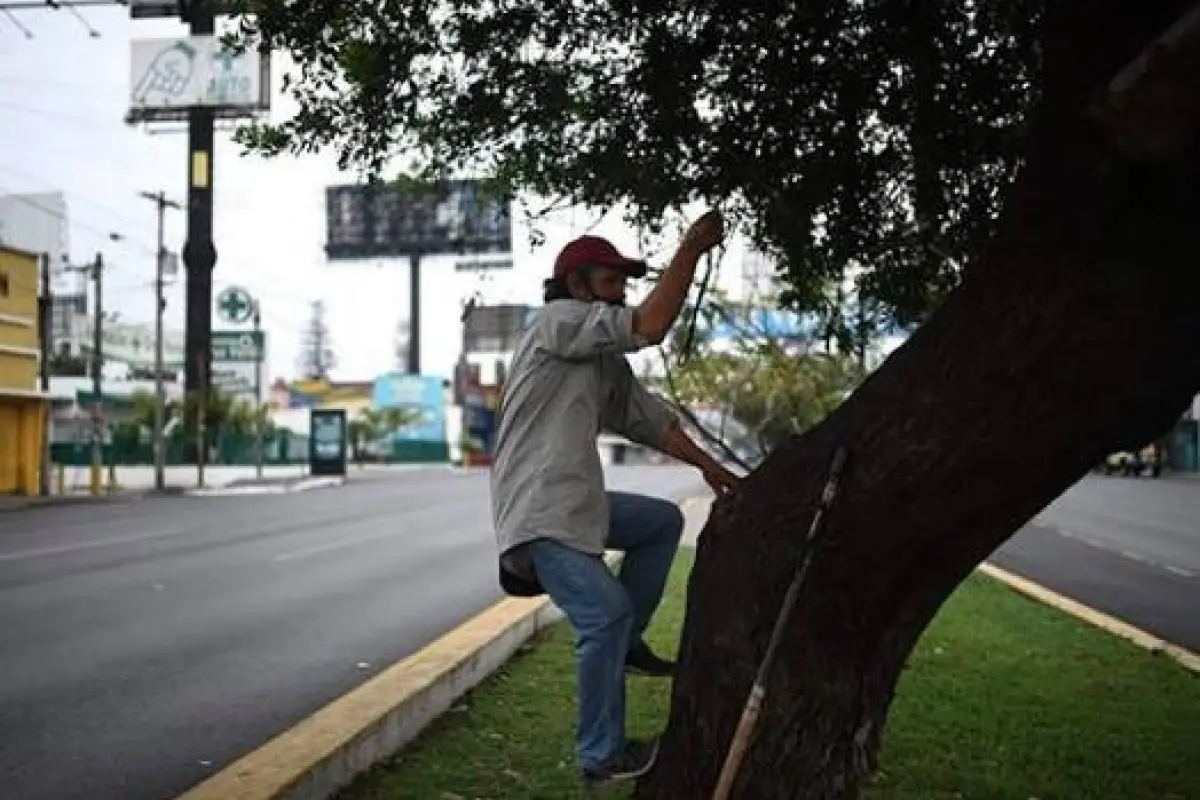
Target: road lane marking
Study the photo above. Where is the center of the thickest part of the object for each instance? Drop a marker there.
(294, 555)
(62, 549)
(1090, 615)
(1126, 554)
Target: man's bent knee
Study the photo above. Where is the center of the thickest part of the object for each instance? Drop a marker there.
(675, 520)
(612, 611)
(667, 518)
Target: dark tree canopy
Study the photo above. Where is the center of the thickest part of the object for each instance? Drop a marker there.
(880, 135)
(876, 134)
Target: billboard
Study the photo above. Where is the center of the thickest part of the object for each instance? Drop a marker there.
(236, 357)
(370, 220)
(169, 76)
(428, 395)
(156, 9)
(132, 343)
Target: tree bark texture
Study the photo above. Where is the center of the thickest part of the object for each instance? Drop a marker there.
(1074, 333)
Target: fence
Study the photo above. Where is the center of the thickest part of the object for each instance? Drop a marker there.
(283, 448)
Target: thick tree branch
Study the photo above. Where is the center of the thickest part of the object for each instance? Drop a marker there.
(1152, 106)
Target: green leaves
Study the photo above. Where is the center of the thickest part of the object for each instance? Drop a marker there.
(874, 135)
(772, 392)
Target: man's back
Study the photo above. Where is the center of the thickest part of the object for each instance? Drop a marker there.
(547, 479)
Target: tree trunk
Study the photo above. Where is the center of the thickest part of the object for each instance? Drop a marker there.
(1072, 335)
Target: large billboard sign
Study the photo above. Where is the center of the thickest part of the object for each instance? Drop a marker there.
(169, 76)
(390, 219)
(417, 393)
(156, 9)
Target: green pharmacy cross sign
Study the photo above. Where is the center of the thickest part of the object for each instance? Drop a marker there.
(235, 305)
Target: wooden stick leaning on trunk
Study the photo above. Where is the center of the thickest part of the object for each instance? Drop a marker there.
(749, 720)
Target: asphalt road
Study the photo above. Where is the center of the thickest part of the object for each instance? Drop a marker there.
(1127, 547)
(145, 645)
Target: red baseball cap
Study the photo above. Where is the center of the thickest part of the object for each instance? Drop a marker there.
(595, 251)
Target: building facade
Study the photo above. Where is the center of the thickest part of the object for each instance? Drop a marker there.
(22, 405)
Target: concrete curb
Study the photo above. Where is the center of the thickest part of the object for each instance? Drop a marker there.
(9, 504)
(323, 753)
(301, 485)
(1104, 622)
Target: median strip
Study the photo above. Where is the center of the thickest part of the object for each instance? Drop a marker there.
(1003, 697)
(1090, 615)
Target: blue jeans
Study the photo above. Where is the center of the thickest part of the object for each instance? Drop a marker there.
(609, 613)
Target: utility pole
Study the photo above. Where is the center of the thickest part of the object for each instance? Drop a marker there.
(199, 253)
(258, 402)
(201, 428)
(97, 382)
(160, 200)
(46, 336)
(414, 313)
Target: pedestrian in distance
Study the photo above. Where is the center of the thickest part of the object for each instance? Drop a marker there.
(570, 380)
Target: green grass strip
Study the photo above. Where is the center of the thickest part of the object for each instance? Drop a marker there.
(1003, 698)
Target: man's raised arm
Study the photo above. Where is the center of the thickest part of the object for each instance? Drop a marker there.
(655, 315)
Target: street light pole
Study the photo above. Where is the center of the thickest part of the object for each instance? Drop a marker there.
(199, 252)
(414, 312)
(201, 427)
(95, 270)
(161, 201)
(46, 336)
(258, 401)
(97, 382)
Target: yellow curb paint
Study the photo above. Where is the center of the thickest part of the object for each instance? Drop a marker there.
(1090, 615)
(286, 761)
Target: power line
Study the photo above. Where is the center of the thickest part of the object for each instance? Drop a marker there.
(71, 6)
(96, 121)
(12, 79)
(279, 321)
(21, 198)
(52, 5)
(16, 22)
(98, 205)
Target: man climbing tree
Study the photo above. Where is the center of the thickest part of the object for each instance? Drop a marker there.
(1014, 178)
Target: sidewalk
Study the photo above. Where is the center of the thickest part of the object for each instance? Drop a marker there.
(9, 502)
(134, 483)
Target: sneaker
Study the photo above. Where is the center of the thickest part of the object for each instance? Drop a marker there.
(641, 660)
(635, 760)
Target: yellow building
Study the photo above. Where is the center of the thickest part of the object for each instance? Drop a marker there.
(350, 396)
(21, 404)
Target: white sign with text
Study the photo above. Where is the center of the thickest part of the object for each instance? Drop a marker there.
(238, 357)
(195, 71)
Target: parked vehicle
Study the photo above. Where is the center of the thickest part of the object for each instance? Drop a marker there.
(1130, 464)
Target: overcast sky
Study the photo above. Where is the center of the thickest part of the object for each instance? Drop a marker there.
(63, 97)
